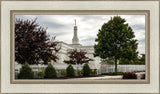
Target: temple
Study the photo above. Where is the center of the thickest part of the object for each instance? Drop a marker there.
(62, 55)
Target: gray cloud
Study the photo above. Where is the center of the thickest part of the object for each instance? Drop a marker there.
(88, 39)
(142, 41)
(138, 27)
(51, 24)
(61, 26)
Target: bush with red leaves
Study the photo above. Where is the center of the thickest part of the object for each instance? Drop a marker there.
(129, 75)
(143, 76)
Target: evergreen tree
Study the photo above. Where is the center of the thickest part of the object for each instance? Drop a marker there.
(26, 72)
(50, 72)
(116, 40)
(86, 70)
(70, 71)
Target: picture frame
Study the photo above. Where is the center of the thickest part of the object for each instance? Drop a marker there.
(75, 12)
(10, 8)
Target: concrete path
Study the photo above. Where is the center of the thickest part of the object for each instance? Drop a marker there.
(101, 78)
(107, 77)
(139, 74)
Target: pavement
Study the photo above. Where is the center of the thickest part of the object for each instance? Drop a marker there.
(107, 77)
(101, 78)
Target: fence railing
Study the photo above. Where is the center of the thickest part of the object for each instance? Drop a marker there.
(120, 68)
(102, 69)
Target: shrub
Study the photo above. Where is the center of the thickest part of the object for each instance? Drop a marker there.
(40, 74)
(129, 75)
(86, 70)
(80, 72)
(63, 73)
(113, 73)
(50, 72)
(93, 71)
(143, 76)
(26, 72)
(70, 71)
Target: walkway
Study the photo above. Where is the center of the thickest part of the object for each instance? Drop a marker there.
(105, 77)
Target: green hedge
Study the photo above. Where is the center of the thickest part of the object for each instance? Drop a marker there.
(93, 71)
(41, 74)
(86, 70)
(63, 73)
(80, 72)
(26, 72)
(50, 72)
(70, 71)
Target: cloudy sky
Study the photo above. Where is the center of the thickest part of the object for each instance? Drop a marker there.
(61, 26)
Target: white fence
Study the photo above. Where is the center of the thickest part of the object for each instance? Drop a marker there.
(121, 68)
(102, 69)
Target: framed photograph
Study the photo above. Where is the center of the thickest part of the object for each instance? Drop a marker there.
(79, 47)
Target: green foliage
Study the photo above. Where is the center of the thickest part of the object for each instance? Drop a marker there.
(26, 72)
(107, 61)
(50, 72)
(63, 73)
(86, 70)
(70, 71)
(113, 73)
(116, 40)
(125, 61)
(142, 59)
(139, 60)
(80, 72)
(40, 74)
(93, 71)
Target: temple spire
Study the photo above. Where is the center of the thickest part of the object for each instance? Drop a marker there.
(75, 22)
(75, 39)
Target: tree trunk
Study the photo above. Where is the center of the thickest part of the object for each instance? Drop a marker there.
(115, 65)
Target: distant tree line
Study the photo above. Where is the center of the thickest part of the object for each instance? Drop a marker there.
(140, 60)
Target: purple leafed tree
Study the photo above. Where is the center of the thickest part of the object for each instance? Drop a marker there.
(77, 57)
(32, 44)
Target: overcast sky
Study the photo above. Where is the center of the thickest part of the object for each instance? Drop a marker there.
(61, 26)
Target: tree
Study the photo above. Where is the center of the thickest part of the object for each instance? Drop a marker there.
(86, 70)
(107, 61)
(140, 60)
(50, 72)
(26, 72)
(116, 40)
(70, 71)
(32, 44)
(63, 73)
(126, 61)
(77, 57)
(40, 74)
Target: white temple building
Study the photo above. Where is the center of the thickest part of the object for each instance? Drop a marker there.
(95, 64)
(62, 54)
